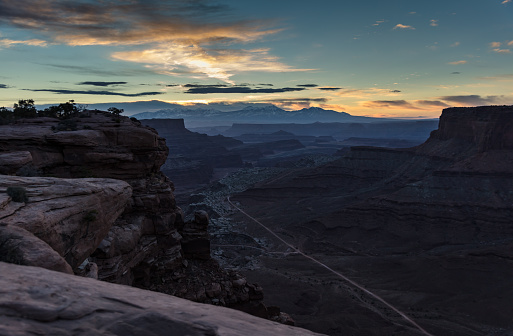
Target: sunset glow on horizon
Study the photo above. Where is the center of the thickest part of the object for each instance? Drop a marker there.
(385, 59)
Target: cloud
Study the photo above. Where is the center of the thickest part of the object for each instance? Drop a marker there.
(206, 89)
(390, 104)
(329, 88)
(510, 43)
(365, 93)
(435, 103)
(455, 73)
(455, 44)
(378, 22)
(501, 77)
(103, 84)
(433, 23)
(4, 86)
(401, 26)
(7, 43)
(97, 93)
(474, 100)
(495, 44)
(457, 62)
(506, 1)
(308, 85)
(395, 91)
(501, 51)
(205, 85)
(169, 37)
(99, 72)
(193, 60)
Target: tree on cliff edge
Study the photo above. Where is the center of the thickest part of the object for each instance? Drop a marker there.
(25, 108)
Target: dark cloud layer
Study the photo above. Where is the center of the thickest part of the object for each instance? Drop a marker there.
(97, 93)
(205, 89)
(329, 88)
(474, 99)
(401, 104)
(432, 103)
(102, 84)
(307, 85)
(4, 86)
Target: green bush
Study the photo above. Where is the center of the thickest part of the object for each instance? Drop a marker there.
(18, 194)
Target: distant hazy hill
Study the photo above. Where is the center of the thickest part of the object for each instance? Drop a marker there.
(197, 117)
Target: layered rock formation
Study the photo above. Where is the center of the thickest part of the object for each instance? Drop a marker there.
(143, 247)
(428, 227)
(193, 156)
(69, 217)
(453, 189)
(38, 301)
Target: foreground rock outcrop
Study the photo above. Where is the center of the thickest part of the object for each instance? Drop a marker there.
(140, 244)
(39, 301)
(70, 216)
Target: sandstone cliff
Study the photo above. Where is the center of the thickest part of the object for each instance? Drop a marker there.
(69, 217)
(453, 189)
(149, 245)
(193, 156)
(42, 302)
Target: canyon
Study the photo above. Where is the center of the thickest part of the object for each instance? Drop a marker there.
(427, 228)
(95, 203)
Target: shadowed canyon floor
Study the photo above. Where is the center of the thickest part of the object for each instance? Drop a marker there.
(426, 228)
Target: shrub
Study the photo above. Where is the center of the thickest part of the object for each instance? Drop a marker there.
(18, 194)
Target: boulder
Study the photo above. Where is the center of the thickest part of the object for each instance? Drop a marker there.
(21, 247)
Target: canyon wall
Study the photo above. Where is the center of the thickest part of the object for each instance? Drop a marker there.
(132, 232)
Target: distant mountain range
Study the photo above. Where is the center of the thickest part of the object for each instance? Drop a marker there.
(220, 114)
(266, 114)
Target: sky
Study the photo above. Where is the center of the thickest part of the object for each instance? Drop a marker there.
(397, 58)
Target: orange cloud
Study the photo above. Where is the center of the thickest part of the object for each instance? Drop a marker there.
(458, 62)
(401, 26)
(501, 51)
(174, 37)
(179, 59)
(34, 42)
(389, 104)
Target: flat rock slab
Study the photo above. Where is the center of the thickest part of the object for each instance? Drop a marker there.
(70, 215)
(36, 301)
